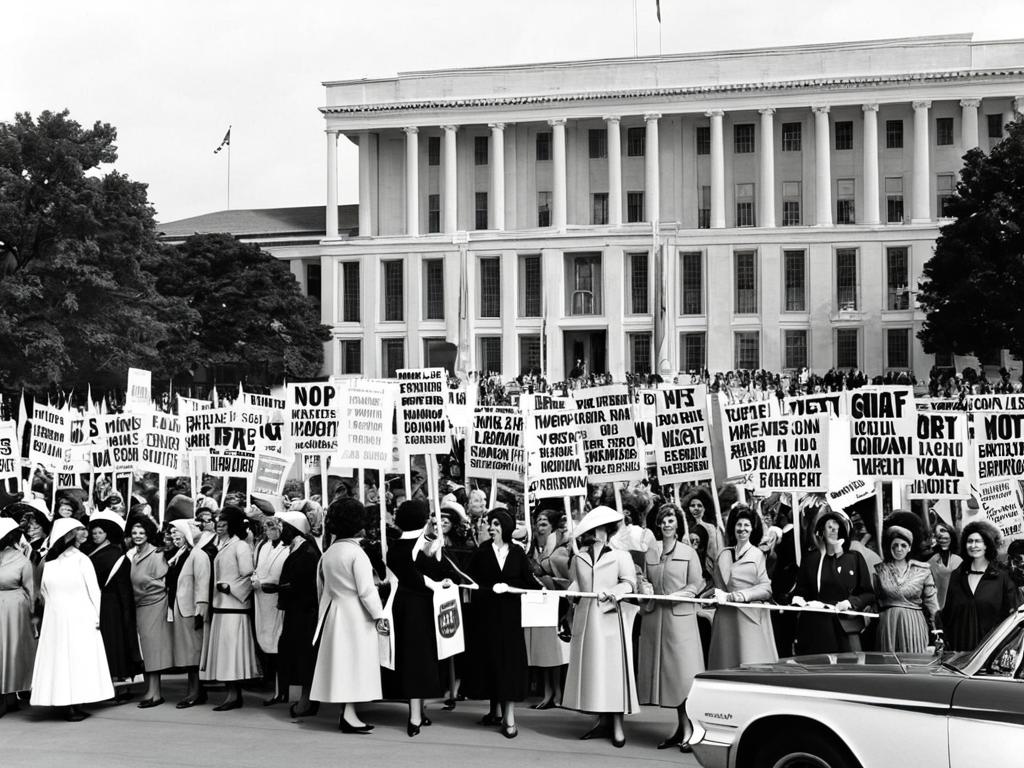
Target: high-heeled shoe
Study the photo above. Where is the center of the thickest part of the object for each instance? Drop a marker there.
(229, 705)
(599, 731)
(280, 698)
(449, 705)
(619, 743)
(510, 731)
(489, 719)
(412, 730)
(672, 741)
(549, 704)
(360, 730)
(685, 748)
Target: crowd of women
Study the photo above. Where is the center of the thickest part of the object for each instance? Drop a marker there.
(306, 599)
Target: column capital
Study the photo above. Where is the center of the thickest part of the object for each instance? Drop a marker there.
(496, 126)
(611, 118)
(970, 103)
(556, 121)
(869, 107)
(648, 116)
(332, 132)
(451, 128)
(924, 104)
(714, 113)
(411, 129)
(821, 109)
(767, 111)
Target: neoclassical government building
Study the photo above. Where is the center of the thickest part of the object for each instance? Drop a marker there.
(736, 209)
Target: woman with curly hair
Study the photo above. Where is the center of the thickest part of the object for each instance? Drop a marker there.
(149, 583)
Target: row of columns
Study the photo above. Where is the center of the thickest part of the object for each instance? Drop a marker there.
(920, 198)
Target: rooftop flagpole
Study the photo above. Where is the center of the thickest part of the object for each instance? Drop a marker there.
(226, 142)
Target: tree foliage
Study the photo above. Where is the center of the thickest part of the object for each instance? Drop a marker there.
(238, 306)
(973, 287)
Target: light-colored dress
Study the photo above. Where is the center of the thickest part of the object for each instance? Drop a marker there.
(269, 620)
(348, 658)
(71, 664)
(600, 676)
(670, 652)
(543, 648)
(17, 645)
(188, 641)
(155, 631)
(229, 650)
(742, 635)
(908, 605)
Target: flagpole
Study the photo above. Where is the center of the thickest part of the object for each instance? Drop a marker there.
(229, 173)
(636, 47)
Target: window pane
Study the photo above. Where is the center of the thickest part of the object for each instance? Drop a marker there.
(692, 352)
(584, 284)
(894, 134)
(392, 357)
(394, 291)
(894, 199)
(795, 277)
(433, 150)
(480, 144)
(597, 140)
(434, 269)
(350, 292)
(791, 137)
(636, 142)
(433, 213)
(599, 208)
(529, 286)
(944, 188)
(543, 146)
(638, 283)
(543, 209)
(897, 345)
(743, 138)
(481, 210)
(844, 135)
(351, 356)
(704, 208)
(490, 287)
(795, 352)
(529, 354)
(846, 348)
(490, 354)
(846, 278)
(634, 206)
(748, 350)
(640, 352)
(313, 286)
(995, 126)
(693, 283)
(943, 131)
(746, 283)
(703, 140)
(896, 270)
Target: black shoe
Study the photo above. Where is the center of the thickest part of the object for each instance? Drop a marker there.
(618, 743)
(75, 714)
(310, 711)
(510, 731)
(412, 730)
(279, 699)
(685, 748)
(449, 705)
(489, 719)
(148, 703)
(229, 705)
(186, 703)
(202, 698)
(361, 730)
(599, 731)
(125, 694)
(549, 704)
(672, 741)
(426, 721)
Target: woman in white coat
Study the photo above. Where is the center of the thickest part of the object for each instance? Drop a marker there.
(600, 677)
(350, 618)
(71, 664)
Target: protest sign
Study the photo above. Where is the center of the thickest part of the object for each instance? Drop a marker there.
(448, 627)
(999, 445)
(1006, 403)
(494, 445)
(10, 451)
(941, 460)
(644, 402)
(460, 406)
(883, 422)
(49, 436)
(422, 405)
(795, 455)
(232, 449)
(940, 404)
(139, 395)
(1002, 500)
(681, 441)
(611, 450)
(311, 418)
(554, 453)
(269, 473)
(122, 434)
(191, 405)
(272, 406)
(162, 448)
(367, 410)
(823, 402)
(742, 435)
(198, 425)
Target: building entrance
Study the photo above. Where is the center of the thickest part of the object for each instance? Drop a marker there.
(586, 351)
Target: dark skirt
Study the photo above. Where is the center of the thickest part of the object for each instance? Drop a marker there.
(296, 658)
(415, 675)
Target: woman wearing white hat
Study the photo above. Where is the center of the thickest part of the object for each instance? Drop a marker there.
(600, 677)
(17, 640)
(71, 665)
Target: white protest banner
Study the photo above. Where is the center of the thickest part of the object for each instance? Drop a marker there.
(883, 422)
(1002, 500)
(795, 455)
(742, 435)
(10, 451)
(191, 405)
(644, 402)
(460, 406)
(269, 473)
(272, 406)
(824, 402)
(554, 454)
(232, 448)
(611, 450)
(1004, 403)
(999, 445)
(311, 418)
(681, 441)
(49, 436)
(139, 396)
(494, 445)
(367, 410)
(422, 405)
(544, 402)
(163, 445)
(842, 495)
(123, 435)
(447, 621)
(941, 461)
(940, 404)
(198, 426)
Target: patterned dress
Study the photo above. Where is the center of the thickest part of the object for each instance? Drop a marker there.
(909, 606)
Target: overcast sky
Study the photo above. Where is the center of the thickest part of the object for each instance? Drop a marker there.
(171, 75)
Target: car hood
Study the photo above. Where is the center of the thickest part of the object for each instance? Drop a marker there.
(847, 663)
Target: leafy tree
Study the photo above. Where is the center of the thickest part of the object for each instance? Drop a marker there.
(240, 307)
(76, 301)
(973, 287)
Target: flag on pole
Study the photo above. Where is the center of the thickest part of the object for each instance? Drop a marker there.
(226, 142)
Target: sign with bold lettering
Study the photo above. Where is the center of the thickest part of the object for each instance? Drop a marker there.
(1002, 499)
(311, 418)
(742, 435)
(795, 455)
(682, 445)
(422, 406)
(554, 454)
(824, 402)
(883, 422)
(1004, 403)
(999, 445)
(611, 450)
(198, 426)
(367, 411)
(10, 451)
(494, 446)
(123, 434)
(163, 445)
(941, 461)
(49, 437)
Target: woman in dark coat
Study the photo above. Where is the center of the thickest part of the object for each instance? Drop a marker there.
(980, 594)
(497, 649)
(831, 575)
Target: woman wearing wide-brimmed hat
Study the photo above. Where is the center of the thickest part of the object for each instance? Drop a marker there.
(17, 638)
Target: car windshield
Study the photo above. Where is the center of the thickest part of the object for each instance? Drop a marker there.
(961, 661)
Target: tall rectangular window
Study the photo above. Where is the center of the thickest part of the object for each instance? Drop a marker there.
(703, 139)
(529, 353)
(692, 274)
(480, 217)
(845, 201)
(794, 351)
(490, 354)
(743, 138)
(394, 290)
(543, 146)
(792, 137)
(350, 310)
(692, 350)
(894, 199)
(638, 283)
(599, 208)
(847, 348)
(745, 263)
(597, 143)
(634, 206)
(894, 134)
(791, 199)
(897, 348)
(433, 285)
(994, 124)
(846, 279)
(640, 352)
(636, 142)
(392, 357)
(795, 269)
(745, 205)
(844, 134)
(480, 150)
(490, 287)
(944, 190)
(529, 285)
(584, 284)
(433, 213)
(433, 150)
(351, 357)
(313, 285)
(704, 208)
(897, 277)
(543, 209)
(943, 131)
(748, 350)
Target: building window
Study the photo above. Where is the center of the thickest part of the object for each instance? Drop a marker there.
(897, 276)
(894, 134)
(944, 189)
(894, 199)
(792, 137)
(944, 131)
(995, 126)
(844, 134)
(638, 283)
(392, 357)
(640, 352)
(490, 287)
(692, 351)
(350, 310)
(845, 192)
(597, 142)
(490, 355)
(433, 150)
(433, 286)
(746, 282)
(584, 284)
(795, 277)
(599, 208)
(351, 356)
(529, 354)
(692, 274)
(703, 139)
(543, 146)
(847, 348)
(433, 213)
(481, 210)
(543, 209)
(743, 138)
(791, 198)
(897, 348)
(704, 209)
(313, 284)
(529, 286)
(846, 279)
(745, 205)
(748, 350)
(394, 291)
(634, 206)
(480, 150)
(794, 349)
(636, 142)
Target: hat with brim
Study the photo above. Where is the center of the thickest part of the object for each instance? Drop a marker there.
(39, 506)
(185, 528)
(7, 524)
(61, 528)
(110, 523)
(296, 520)
(450, 506)
(596, 518)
